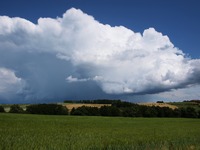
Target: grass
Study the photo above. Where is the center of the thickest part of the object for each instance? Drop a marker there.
(23, 131)
(186, 104)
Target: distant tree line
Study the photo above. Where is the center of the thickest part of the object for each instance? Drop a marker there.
(46, 109)
(126, 109)
(97, 101)
(117, 108)
(94, 111)
(195, 101)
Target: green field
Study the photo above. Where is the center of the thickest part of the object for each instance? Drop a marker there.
(195, 105)
(38, 132)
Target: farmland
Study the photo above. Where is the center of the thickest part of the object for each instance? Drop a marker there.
(22, 131)
(70, 106)
(159, 105)
(195, 105)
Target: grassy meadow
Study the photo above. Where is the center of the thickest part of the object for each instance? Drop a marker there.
(44, 132)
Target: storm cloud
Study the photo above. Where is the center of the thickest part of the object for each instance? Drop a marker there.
(58, 57)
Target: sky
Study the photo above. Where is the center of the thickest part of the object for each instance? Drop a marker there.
(134, 50)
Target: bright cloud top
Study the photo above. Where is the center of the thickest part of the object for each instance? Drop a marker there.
(118, 59)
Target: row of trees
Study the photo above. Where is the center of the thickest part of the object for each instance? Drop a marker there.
(195, 101)
(138, 111)
(46, 109)
(118, 108)
(96, 101)
(94, 111)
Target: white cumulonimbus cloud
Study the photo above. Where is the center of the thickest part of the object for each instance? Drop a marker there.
(9, 82)
(118, 59)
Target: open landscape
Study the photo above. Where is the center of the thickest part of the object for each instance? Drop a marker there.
(19, 131)
(86, 125)
(100, 75)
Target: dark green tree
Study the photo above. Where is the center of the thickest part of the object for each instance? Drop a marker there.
(85, 111)
(2, 109)
(191, 112)
(109, 111)
(47, 109)
(131, 112)
(177, 113)
(16, 109)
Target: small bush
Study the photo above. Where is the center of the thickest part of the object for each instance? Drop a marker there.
(2, 109)
(16, 109)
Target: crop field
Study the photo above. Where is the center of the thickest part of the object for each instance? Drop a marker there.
(44, 132)
(70, 106)
(186, 104)
(159, 105)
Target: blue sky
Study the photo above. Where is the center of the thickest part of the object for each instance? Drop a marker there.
(179, 19)
(137, 50)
